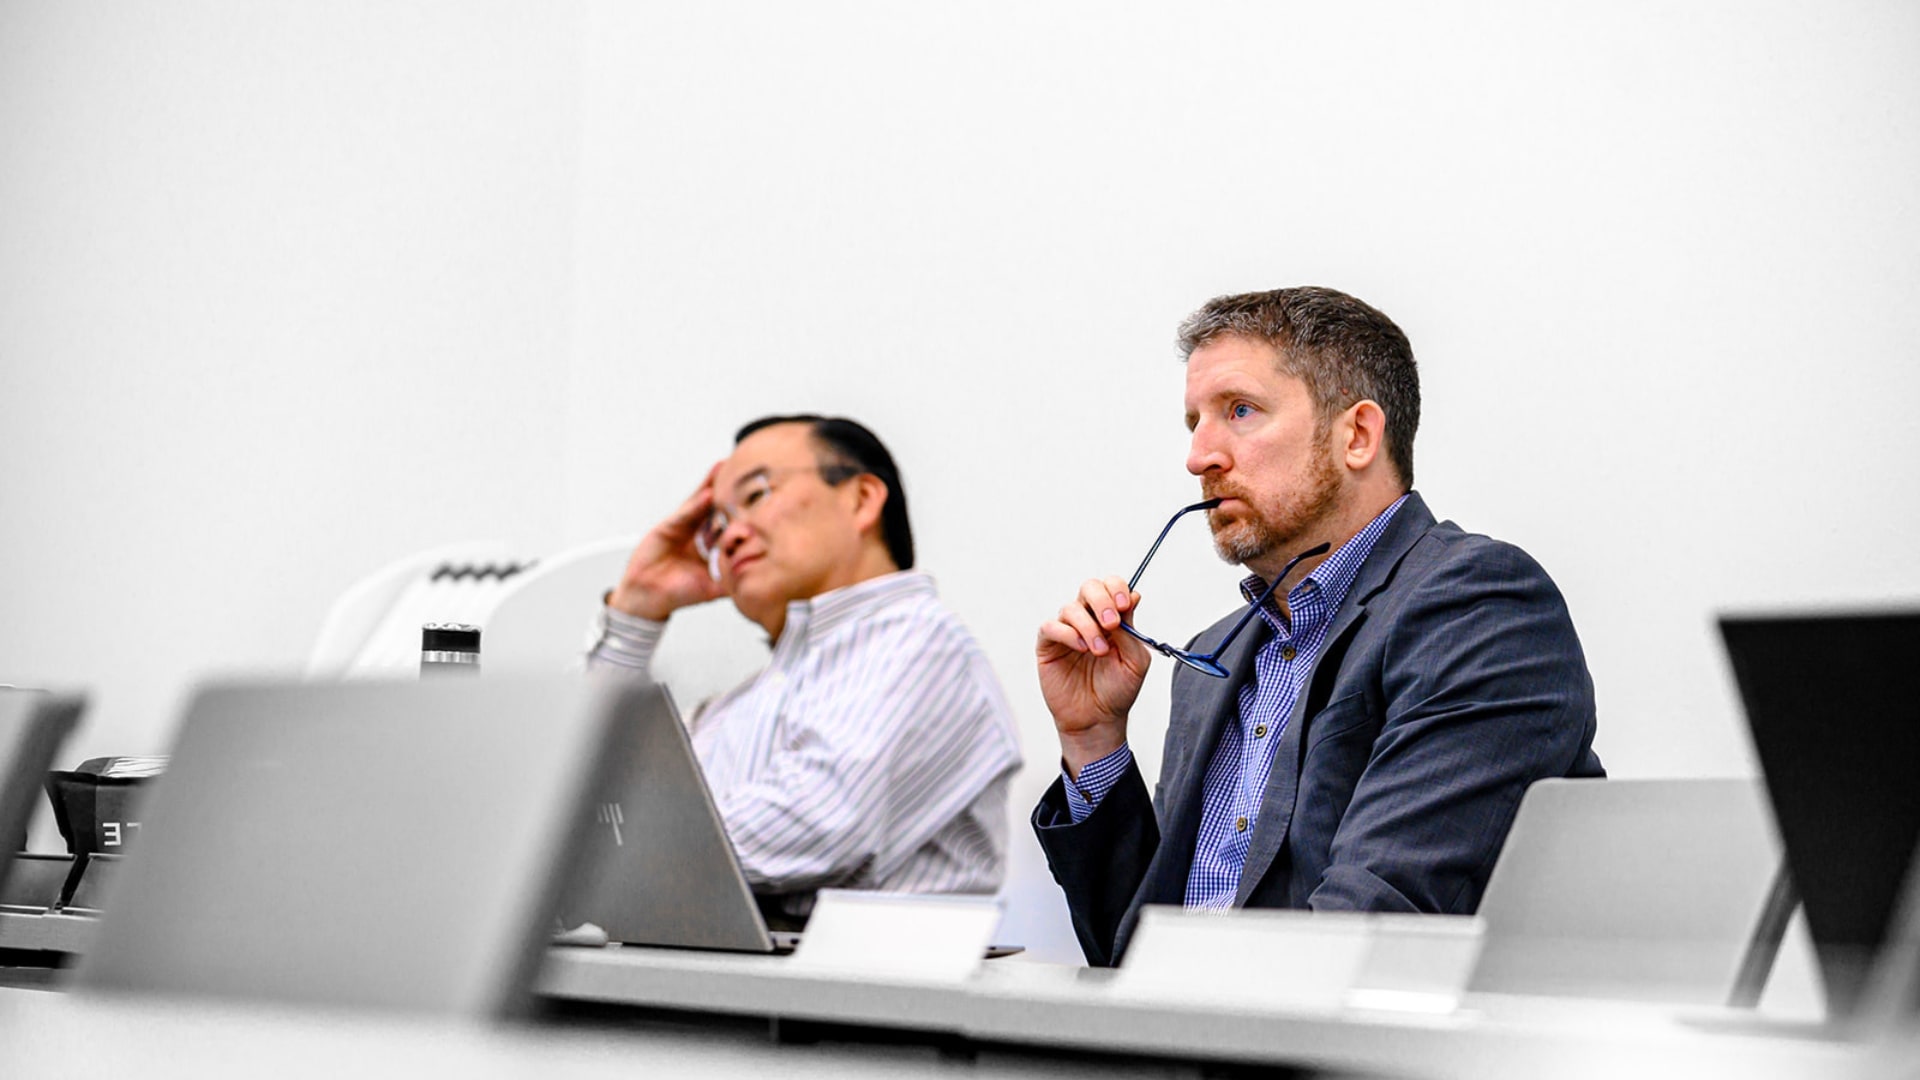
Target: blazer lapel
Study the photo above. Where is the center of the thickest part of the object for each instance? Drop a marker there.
(1409, 524)
(1212, 704)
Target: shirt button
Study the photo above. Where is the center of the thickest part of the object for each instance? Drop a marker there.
(1286, 652)
(1240, 824)
(1259, 731)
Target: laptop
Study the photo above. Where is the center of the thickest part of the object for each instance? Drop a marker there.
(1632, 890)
(1833, 703)
(658, 867)
(370, 845)
(33, 724)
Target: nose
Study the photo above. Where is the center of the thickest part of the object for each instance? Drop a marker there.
(733, 535)
(1204, 452)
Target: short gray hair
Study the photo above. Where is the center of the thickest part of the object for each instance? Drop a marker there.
(1343, 349)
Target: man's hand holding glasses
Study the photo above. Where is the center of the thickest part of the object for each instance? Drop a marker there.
(1092, 661)
(1090, 671)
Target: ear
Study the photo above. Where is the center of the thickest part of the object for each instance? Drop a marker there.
(870, 497)
(1360, 434)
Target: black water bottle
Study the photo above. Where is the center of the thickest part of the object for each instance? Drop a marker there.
(449, 649)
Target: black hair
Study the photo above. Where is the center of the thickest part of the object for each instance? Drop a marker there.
(847, 450)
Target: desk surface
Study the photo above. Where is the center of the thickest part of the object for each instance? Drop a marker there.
(1062, 1007)
(51, 1035)
(1014, 1003)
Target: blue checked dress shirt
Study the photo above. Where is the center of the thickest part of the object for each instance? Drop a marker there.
(1237, 775)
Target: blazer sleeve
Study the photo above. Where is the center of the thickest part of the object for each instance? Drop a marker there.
(1485, 690)
(1099, 862)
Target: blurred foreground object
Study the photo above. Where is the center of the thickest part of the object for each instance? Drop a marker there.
(377, 845)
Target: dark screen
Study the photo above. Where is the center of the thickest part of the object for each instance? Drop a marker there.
(1833, 702)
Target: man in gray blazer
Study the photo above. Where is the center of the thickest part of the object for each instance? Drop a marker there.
(1363, 744)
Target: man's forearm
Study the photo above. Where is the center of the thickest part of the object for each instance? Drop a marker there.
(627, 642)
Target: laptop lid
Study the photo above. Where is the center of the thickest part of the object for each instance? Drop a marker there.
(33, 724)
(1833, 702)
(376, 845)
(659, 868)
(1640, 890)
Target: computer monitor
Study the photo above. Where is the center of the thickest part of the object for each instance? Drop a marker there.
(1833, 702)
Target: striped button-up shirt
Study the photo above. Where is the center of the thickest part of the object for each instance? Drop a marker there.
(873, 752)
(1236, 778)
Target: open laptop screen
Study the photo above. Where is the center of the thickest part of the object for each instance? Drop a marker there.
(1833, 701)
(658, 867)
(33, 724)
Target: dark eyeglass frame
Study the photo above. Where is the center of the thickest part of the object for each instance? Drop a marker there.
(1208, 664)
(706, 541)
(832, 474)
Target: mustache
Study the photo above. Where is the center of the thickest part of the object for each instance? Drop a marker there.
(1223, 491)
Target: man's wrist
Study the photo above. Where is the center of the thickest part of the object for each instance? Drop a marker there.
(1086, 790)
(629, 602)
(1083, 748)
(626, 641)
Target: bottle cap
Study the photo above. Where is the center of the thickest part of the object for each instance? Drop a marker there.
(449, 637)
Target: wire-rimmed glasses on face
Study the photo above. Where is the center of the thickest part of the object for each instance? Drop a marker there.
(1208, 664)
(748, 492)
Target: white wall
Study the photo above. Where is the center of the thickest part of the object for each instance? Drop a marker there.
(283, 295)
(1657, 265)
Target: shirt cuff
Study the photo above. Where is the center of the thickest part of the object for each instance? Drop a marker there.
(626, 641)
(1095, 781)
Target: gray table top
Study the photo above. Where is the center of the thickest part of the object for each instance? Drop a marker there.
(1024, 1003)
(1013, 1001)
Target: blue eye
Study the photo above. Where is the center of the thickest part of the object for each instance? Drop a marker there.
(1240, 411)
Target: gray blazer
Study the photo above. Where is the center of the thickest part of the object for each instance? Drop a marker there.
(1451, 679)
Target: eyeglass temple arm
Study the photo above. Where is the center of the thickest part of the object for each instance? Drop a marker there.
(1247, 616)
(1207, 504)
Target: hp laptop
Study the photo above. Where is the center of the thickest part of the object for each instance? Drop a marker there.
(1635, 890)
(659, 868)
(1833, 702)
(33, 724)
(368, 845)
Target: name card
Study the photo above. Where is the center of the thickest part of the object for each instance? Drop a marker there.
(1299, 960)
(1418, 963)
(925, 938)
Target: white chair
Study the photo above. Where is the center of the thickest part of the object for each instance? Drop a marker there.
(532, 613)
(374, 628)
(539, 619)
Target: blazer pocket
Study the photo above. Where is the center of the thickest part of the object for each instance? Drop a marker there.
(1337, 719)
(1339, 744)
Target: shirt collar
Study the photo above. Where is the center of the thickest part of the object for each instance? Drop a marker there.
(820, 616)
(1335, 574)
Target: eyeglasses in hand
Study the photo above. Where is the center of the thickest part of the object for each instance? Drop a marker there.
(1208, 664)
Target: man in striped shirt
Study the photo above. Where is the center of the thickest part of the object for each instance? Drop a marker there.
(1363, 745)
(875, 749)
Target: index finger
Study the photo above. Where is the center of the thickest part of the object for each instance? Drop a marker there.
(694, 511)
(1108, 600)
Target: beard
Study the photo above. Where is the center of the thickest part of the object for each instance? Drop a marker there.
(1247, 537)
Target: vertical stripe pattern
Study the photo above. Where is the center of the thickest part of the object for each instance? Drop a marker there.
(873, 752)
